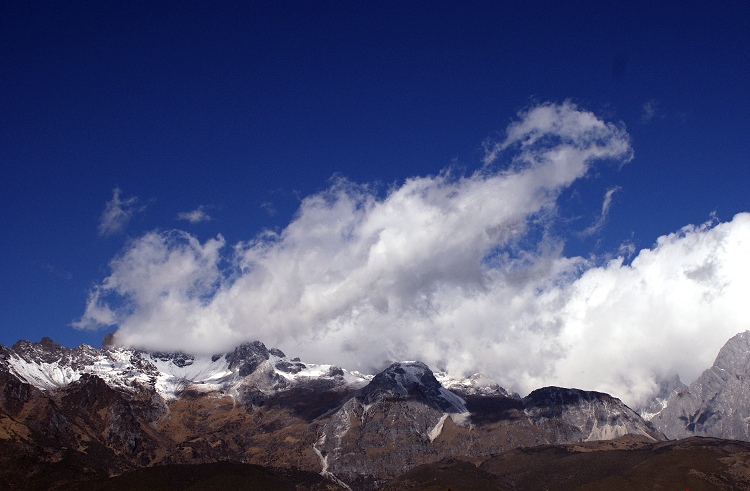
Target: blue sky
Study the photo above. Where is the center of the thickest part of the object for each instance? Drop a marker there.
(243, 114)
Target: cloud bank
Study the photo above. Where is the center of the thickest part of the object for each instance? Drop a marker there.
(462, 272)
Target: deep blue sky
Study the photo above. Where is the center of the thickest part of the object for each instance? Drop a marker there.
(244, 108)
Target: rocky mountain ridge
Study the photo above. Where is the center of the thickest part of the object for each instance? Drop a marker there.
(717, 404)
(88, 413)
(110, 410)
(48, 366)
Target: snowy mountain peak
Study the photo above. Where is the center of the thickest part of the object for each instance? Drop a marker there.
(477, 384)
(246, 357)
(45, 350)
(250, 369)
(411, 379)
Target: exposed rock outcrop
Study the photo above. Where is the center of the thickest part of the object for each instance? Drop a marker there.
(717, 404)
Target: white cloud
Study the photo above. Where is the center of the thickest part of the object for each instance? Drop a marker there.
(98, 313)
(667, 312)
(458, 271)
(269, 208)
(196, 216)
(117, 213)
(602, 218)
(650, 111)
(159, 271)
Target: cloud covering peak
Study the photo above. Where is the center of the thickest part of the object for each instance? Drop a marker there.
(461, 272)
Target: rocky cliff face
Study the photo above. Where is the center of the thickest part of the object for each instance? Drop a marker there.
(718, 403)
(88, 412)
(570, 415)
(404, 418)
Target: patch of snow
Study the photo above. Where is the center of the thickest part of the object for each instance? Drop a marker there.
(649, 415)
(438, 428)
(324, 463)
(115, 368)
(479, 383)
(360, 376)
(204, 374)
(169, 374)
(44, 376)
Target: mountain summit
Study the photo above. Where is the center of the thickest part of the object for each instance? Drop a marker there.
(411, 379)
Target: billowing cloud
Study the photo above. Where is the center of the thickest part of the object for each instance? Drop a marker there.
(460, 271)
(117, 213)
(196, 216)
(668, 311)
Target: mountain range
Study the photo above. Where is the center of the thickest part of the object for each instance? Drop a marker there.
(82, 415)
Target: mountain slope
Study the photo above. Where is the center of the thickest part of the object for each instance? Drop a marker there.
(625, 463)
(404, 418)
(717, 404)
(111, 410)
(571, 415)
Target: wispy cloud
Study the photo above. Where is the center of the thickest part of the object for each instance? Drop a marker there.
(650, 111)
(602, 218)
(196, 216)
(269, 208)
(57, 271)
(118, 212)
(460, 271)
(98, 314)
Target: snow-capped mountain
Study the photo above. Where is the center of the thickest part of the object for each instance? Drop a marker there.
(126, 408)
(477, 384)
(48, 366)
(415, 379)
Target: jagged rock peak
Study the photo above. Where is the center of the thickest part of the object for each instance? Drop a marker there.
(48, 343)
(45, 350)
(177, 358)
(411, 379)
(44, 344)
(402, 377)
(734, 356)
(717, 403)
(248, 356)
